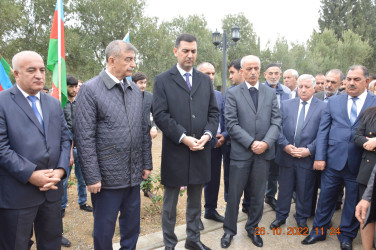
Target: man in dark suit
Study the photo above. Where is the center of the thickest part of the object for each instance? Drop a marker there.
(34, 157)
(272, 75)
(296, 150)
(211, 188)
(186, 111)
(141, 80)
(339, 158)
(253, 122)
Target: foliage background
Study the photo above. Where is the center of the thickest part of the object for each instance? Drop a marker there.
(346, 36)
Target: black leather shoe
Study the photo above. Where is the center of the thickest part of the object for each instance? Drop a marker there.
(65, 242)
(86, 208)
(226, 240)
(271, 201)
(256, 239)
(169, 248)
(305, 227)
(346, 246)
(277, 223)
(214, 216)
(309, 240)
(201, 225)
(195, 245)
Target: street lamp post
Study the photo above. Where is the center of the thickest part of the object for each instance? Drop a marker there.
(224, 45)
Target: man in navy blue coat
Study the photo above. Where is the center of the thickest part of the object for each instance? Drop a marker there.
(211, 188)
(34, 157)
(339, 158)
(296, 151)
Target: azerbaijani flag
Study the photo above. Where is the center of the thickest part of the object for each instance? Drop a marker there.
(5, 82)
(56, 55)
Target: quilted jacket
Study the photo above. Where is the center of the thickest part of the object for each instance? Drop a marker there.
(111, 134)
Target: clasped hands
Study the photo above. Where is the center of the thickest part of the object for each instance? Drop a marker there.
(195, 144)
(297, 152)
(46, 179)
(259, 147)
(370, 145)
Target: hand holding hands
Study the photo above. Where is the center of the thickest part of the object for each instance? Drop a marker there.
(259, 147)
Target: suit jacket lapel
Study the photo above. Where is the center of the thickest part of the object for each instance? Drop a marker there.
(179, 79)
(295, 104)
(195, 81)
(45, 111)
(21, 101)
(247, 96)
(261, 96)
(311, 110)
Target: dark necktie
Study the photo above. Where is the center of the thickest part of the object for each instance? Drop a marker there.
(187, 75)
(254, 95)
(33, 100)
(299, 126)
(353, 112)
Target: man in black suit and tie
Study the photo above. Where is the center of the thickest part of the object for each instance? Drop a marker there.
(253, 123)
(185, 109)
(34, 157)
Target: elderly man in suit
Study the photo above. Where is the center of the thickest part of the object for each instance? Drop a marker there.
(114, 146)
(253, 122)
(34, 157)
(296, 150)
(339, 158)
(186, 111)
(211, 188)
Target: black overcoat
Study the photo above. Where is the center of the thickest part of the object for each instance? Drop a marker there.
(178, 110)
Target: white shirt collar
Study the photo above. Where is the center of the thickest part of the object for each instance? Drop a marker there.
(308, 102)
(249, 85)
(113, 77)
(362, 96)
(182, 71)
(26, 94)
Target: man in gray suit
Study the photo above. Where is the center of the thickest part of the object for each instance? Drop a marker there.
(333, 80)
(253, 122)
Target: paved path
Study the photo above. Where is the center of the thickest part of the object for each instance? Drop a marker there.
(213, 232)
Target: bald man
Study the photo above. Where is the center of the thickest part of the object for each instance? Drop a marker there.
(34, 157)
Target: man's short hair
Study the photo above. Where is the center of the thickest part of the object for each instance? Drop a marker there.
(294, 73)
(235, 63)
(365, 70)
(250, 58)
(307, 76)
(338, 71)
(46, 88)
(272, 65)
(186, 38)
(71, 80)
(138, 76)
(115, 48)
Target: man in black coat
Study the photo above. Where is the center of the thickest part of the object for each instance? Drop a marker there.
(186, 111)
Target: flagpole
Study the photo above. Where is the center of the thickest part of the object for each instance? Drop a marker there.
(59, 44)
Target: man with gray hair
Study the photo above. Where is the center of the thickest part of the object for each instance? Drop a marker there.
(114, 146)
(253, 122)
(295, 152)
(290, 78)
(333, 79)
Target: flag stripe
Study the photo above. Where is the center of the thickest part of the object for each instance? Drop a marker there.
(54, 55)
(5, 64)
(4, 78)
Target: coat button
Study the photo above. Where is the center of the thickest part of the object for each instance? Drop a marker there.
(370, 133)
(367, 160)
(193, 116)
(191, 98)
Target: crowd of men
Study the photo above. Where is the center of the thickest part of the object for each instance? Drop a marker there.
(290, 138)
